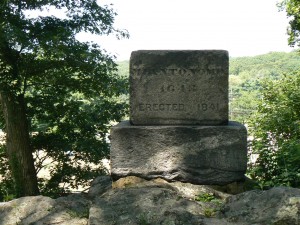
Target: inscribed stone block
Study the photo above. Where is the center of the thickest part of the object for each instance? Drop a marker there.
(179, 87)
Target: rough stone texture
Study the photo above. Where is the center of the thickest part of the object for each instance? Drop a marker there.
(99, 186)
(40, 210)
(277, 206)
(185, 190)
(237, 187)
(163, 203)
(194, 154)
(179, 87)
(156, 202)
(148, 205)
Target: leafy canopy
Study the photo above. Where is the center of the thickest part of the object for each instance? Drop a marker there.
(276, 133)
(71, 88)
(276, 125)
(292, 8)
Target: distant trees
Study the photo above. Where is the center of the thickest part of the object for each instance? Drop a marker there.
(58, 95)
(247, 74)
(275, 128)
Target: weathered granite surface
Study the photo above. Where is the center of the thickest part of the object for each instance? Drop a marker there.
(40, 210)
(278, 206)
(137, 201)
(179, 87)
(194, 154)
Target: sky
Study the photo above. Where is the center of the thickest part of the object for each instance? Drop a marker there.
(243, 27)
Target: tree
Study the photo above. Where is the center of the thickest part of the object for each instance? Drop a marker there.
(276, 125)
(292, 8)
(58, 95)
(276, 133)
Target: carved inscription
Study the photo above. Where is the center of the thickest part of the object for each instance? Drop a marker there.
(211, 69)
(161, 107)
(208, 107)
(178, 88)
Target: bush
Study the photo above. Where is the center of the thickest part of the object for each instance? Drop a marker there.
(276, 133)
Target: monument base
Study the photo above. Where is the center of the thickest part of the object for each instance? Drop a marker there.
(194, 154)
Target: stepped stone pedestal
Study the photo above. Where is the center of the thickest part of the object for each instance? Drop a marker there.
(178, 128)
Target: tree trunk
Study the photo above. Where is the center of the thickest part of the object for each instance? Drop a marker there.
(18, 144)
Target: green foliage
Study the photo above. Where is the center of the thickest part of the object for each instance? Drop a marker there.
(271, 65)
(276, 133)
(209, 212)
(292, 8)
(205, 197)
(213, 203)
(208, 197)
(123, 68)
(72, 89)
(123, 72)
(246, 75)
(7, 190)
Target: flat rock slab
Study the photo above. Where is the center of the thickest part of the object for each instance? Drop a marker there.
(179, 87)
(194, 154)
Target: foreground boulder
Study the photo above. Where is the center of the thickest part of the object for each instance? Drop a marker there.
(278, 206)
(136, 201)
(40, 210)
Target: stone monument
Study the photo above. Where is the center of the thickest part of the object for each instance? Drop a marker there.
(179, 128)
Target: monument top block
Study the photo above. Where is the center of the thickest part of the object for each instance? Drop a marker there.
(184, 87)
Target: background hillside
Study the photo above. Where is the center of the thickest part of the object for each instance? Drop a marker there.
(247, 75)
